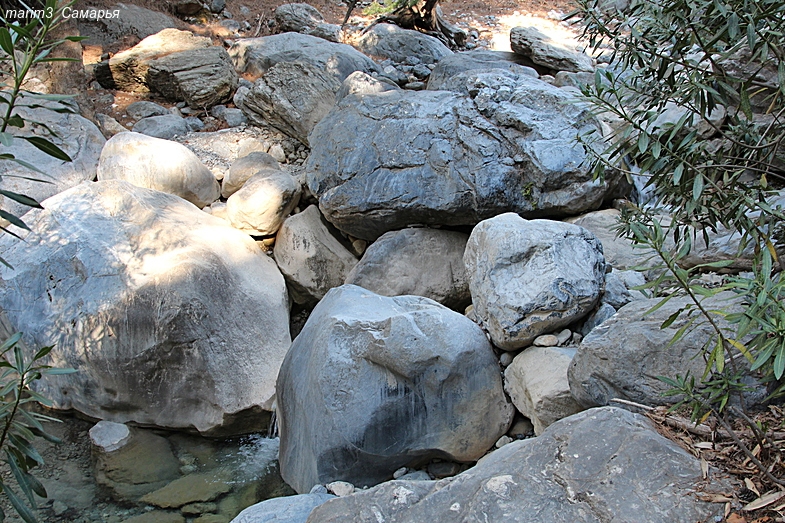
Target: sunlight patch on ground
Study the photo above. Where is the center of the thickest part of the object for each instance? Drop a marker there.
(558, 34)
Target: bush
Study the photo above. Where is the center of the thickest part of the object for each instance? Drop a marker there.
(23, 45)
(695, 95)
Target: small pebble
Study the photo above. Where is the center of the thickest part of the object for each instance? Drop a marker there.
(276, 151)
(319, 489)
(340, 488)
(506, 358)
(503, 441)
(564, 336)
(400, 472)
(546, 340)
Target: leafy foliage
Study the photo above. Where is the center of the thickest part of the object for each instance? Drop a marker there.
(21, 427)
(23, 46)
(695, 96)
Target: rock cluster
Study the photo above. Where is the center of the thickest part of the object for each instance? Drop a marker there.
(430, 226)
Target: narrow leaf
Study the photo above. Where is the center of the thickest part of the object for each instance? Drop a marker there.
(48, 147)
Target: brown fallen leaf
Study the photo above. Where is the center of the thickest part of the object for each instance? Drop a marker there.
(713, 498)
(764, 501)
(735, 518)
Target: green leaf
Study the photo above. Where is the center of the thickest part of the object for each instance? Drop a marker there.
(697, 187)
(43, 351)
(5, 42)
(16, 121)
(779, 363)
(21, 198)
(13, 219)
(48, 147)
(658, 305)
(667, 323)
(23, 510)
(21, 478)
(25, 447)
(10, 342)
(58, 371)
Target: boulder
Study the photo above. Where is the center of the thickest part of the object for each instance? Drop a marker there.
(388, 41)
(165, 127)
(310, 256)
(122, 465)
(359, 83)
(245, 167)
(536, 381)
(158, 164)
(108, 125)
(440, 158)
(531, 277)
(600, 465)
(330, 32)
(621, 253)
(298, 18)
(531, 43)
(623, 356)
(373, 384)
(289, 509)
(200, 77)
(617, 293)
(193, 488)
(421, 262)
(188, 7)
(263, 203)
(145, 109)
(132, 20)
(77, 136)
(170, 317)
(291, 97)
(254, 56)
(127, 70)
(457, 63)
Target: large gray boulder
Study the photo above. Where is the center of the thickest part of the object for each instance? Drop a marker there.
(373, 383)
(531, 277)
(388, 41)
(440, 158)
(158, 164)
(419, 261)
(77, 136)
(165, 126)
(263, 203)
(291, 96)
(200, 77)
(602, 465)
(360, 83)
(624, 355)
(128, 70)
(132, 20)
(289, 509)
(170, 317)
(254, 56)
(620, 252)
(311, 257)
(540, 49)
(479, 59)
(298, 18)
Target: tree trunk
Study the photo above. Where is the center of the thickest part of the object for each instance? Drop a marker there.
(427, 19)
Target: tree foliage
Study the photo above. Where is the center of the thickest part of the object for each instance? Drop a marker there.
(694, 95)
(24, 43)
